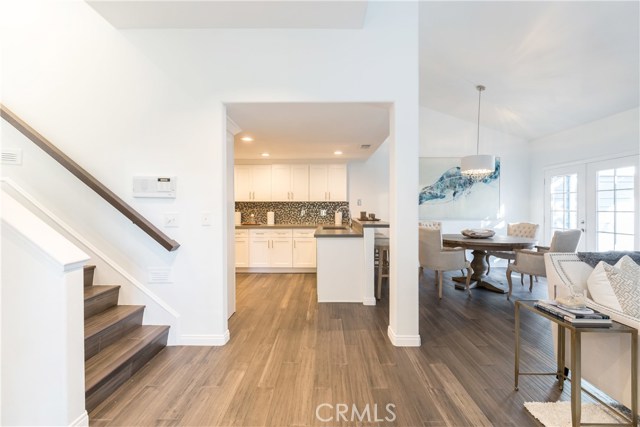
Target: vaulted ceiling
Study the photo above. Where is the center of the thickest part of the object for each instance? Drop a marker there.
(547, 66)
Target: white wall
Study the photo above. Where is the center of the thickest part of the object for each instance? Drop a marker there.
(605, 138)
(42, 323)
(369, 182)
(442, 135)
(131, 102)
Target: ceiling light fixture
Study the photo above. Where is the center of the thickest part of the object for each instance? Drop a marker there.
(337, 153)
(246, 139)
(265, 154)
(479, 166)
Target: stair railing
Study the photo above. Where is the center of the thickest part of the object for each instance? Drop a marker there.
(89, 180)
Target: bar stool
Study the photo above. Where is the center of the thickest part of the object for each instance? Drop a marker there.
(382, 250)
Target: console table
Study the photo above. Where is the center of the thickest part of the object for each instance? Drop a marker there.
(576, 336)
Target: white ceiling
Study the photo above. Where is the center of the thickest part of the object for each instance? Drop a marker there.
(232, 14)
(547, 66)
(309, 131)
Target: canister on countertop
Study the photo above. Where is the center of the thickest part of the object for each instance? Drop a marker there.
(338, 218)
(271, 218)
(238, 218)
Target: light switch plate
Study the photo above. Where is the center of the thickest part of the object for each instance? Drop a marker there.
(171, 219)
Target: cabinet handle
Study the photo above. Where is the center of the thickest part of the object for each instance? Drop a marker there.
(294, 244)
(329, 195)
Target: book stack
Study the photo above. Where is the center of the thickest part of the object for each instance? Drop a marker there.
(576, 316)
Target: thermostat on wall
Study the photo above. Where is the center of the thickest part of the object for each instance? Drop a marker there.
(154, 186)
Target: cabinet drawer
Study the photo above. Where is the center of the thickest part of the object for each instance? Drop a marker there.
(242, 233)
(304, 232)
(285, 233)
(259, 233)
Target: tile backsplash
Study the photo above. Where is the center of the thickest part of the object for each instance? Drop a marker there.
(292, 212)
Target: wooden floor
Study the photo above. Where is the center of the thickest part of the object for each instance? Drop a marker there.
(287, 355)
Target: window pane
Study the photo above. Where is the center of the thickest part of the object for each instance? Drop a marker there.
(557, 219)
(624, 182)
(605, 242)
(605, 201)
(557, 184)
(573, 183)
(624, 242)
(605, 222)
(624, 200)
(605, 182)
(557, 202)
(624, 222)
(628, 171)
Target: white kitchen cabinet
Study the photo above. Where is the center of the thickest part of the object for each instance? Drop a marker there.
(289, 183)
(252, 183)
(328, 183)
(270, 248)
(304, 249)
(242, 248)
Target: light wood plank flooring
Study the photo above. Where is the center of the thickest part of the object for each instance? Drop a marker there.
(287, 355)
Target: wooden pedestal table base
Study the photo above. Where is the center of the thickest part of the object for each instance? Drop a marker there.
(480, 248)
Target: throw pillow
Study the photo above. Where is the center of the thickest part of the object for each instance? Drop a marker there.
(611, 257)
(617, 287)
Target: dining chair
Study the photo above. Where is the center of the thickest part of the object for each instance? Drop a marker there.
(516, 229)
(434, 256)
(531, 262)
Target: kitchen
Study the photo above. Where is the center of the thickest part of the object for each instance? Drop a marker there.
(300, 170)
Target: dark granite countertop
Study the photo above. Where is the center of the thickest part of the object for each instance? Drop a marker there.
(277, 226)
(326, 230)
(371, 224)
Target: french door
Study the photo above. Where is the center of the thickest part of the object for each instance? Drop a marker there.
(599, 197)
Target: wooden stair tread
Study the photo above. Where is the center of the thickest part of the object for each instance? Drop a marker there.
(109, 317)
(97, 290)
(120, 353)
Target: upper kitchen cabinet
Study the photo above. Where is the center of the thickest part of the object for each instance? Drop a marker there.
(328, 183)
(252, 183)
(290, 183)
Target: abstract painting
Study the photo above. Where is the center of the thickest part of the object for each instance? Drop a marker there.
(447, 194)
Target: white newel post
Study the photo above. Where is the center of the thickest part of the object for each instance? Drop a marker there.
(42, 335)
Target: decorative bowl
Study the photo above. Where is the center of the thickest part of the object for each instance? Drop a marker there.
(483, 233)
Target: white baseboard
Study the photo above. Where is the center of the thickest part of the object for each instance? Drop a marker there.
(403, 340)
(274, 270)
(205, 340)
(81, 421)
(369, 301)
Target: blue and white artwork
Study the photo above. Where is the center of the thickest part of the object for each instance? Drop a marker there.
(446, 194)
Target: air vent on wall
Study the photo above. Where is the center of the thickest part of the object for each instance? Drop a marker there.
(11, 156)
(365, 146)
(159, 275)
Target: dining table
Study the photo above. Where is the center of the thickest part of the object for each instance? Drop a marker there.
(479, 248)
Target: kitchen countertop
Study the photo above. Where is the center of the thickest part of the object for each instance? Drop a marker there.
(371, 224)
(327, 232)
(277, 226)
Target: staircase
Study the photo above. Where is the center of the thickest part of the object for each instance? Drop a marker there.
(116, 343)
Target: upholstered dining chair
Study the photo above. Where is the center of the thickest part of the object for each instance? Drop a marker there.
(531, 262)
(517, 229)
(435, 257)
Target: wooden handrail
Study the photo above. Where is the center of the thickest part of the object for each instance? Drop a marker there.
(89, 180)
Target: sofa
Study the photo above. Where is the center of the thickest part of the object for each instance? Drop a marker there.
(606, 358)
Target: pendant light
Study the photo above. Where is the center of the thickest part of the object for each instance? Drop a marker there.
(479, 166)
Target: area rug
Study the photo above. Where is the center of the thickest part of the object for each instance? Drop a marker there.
(558, 414)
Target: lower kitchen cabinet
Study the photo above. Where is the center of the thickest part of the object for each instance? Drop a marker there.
(270, 248)
(242, 248)
(304, 249)
(276, 249)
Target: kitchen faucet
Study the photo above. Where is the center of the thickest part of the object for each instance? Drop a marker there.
(348, 213)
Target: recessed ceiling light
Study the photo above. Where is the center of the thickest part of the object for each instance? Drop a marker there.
(337, 153)
(246, 139)
(265, 154)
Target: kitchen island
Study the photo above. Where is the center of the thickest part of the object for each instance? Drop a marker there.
(344, 262)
